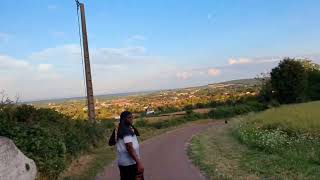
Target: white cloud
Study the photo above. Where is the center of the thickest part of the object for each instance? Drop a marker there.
(184, 75)
(130, 51)
(7, 63)
(137, 37)
(57, 71)
(240, 61)
(214, 72)
(44, 67)
(70, 52)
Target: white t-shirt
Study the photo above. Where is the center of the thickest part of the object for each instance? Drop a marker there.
(124, 158)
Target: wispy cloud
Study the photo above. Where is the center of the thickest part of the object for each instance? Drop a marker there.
(52, 7)
(57, 71)
(135, 39)
(44, 67)
(4, 37)
(58, 34)
(214, 72)
(239, 61)
(184, 75)
(8, 63)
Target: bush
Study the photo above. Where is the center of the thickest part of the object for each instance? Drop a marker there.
(222, 112)
(292, 146)
(200, 105)
(313, 91)
(238, 109)
(48, 137)
(188, 107)
(141, 123)
(189, 112)
(289, 81)
(291, 131)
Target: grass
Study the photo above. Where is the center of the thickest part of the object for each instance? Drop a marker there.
(218, 154)
(89, 165)
(299, 118)
(280, 143)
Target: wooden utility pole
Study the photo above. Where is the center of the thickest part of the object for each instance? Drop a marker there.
(91, 105)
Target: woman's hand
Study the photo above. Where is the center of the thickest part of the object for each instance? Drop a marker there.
(140, 167)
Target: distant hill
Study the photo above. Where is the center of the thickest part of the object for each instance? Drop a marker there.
(250, 82)
(104, 96)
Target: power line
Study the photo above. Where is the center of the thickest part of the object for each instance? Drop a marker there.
(81, 50)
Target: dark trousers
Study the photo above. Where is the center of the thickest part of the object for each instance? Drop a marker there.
(128, 172)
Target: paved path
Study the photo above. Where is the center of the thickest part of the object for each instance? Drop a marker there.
(165, 156)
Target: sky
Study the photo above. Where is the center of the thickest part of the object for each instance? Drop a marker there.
(149, 45)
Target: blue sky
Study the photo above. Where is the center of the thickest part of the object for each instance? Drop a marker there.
(143, 45)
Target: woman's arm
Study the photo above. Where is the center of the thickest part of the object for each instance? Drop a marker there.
(134, 156)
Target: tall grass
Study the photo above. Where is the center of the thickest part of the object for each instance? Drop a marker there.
(291, 131)
(298, 118)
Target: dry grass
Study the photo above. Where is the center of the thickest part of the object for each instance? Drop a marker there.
(300, 118)
(168, 116)
(218, 154)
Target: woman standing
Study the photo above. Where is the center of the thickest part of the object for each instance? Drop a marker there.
(126, 141)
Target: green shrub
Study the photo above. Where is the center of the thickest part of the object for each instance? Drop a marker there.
(141, 123)
(291, 131)
(50, 138)
(221, 112)
(189, 112)
(188, 107)
(292, 146)
(238, 109)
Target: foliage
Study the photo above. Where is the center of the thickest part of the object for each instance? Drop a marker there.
(238, 109)
(48, 137)
(291, 131)
(191, 116)
(292, 81)
(289, 81)
(313, 90)
(219, 154)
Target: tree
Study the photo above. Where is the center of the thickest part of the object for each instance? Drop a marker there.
(313, 90)
(313, 73)
(289, 81)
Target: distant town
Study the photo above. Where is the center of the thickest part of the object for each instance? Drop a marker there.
(109, 107)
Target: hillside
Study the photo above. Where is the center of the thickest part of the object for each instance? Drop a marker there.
(249, 82)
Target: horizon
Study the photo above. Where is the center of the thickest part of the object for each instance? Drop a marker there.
(115, 94)
(138, 46)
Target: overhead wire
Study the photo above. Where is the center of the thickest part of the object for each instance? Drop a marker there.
(81, 50)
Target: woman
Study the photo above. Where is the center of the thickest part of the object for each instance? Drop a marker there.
(126, 141)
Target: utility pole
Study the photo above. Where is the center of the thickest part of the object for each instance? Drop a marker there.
(91, 105)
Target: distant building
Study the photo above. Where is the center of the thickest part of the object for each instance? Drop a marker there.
(104, 104)
(149, 110)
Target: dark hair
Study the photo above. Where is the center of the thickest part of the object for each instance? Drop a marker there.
(124, 115)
